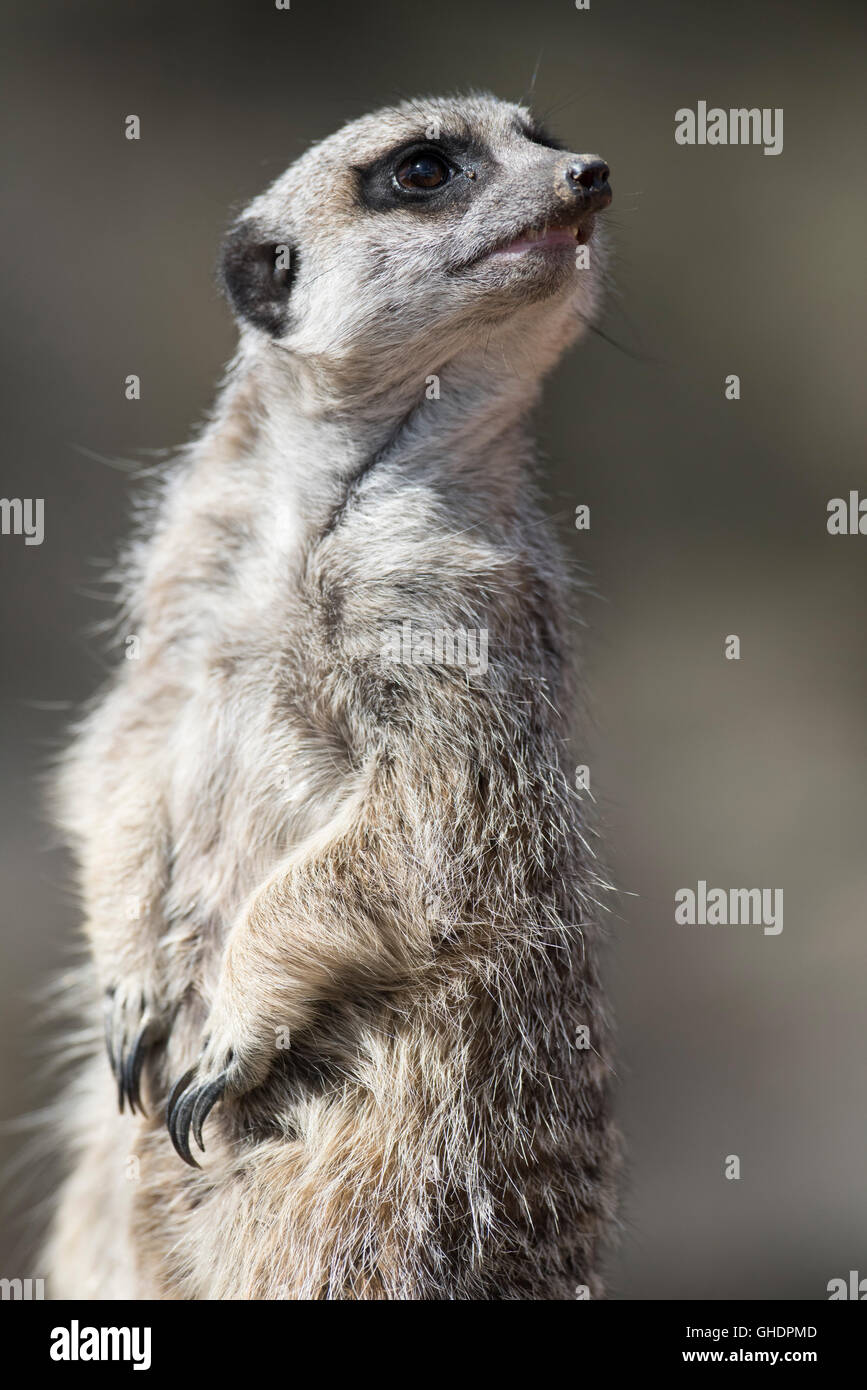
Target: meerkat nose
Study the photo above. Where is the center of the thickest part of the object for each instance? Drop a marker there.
(587, 178)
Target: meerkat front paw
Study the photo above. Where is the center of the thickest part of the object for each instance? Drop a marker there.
(136, 1025)
(232, 1061)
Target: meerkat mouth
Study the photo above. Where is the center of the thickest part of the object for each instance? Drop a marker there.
(538, 239)
(545, 238)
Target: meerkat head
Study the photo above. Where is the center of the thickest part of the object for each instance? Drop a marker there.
(420, 232)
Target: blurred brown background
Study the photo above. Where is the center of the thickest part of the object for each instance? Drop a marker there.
(708, 518)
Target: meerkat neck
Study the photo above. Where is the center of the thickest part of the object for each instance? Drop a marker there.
(462, 429)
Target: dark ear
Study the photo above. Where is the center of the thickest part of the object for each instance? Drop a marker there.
(256, 274)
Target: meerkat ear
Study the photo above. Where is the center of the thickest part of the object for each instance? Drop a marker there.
(256, 273)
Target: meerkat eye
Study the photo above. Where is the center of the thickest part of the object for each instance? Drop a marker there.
(426, 169)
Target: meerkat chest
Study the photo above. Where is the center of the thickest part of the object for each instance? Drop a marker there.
(415, 575)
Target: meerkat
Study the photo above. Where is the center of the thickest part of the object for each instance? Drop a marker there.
(341, 909)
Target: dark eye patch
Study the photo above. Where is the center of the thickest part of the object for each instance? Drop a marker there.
(380, 190)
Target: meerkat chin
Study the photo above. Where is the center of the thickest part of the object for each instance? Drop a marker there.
(338, 888)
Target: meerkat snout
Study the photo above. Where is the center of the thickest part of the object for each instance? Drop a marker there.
(431, 221)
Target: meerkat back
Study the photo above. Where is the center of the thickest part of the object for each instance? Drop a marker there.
(338, 895)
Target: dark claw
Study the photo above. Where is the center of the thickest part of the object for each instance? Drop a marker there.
(178, 1113)
(188, 1107)
(133, 1069)
(180, 1131)
(205, 1103)
(178, 1087)
(175, 1094)
(127, 1059)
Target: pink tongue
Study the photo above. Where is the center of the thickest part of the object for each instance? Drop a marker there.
(559, 237)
